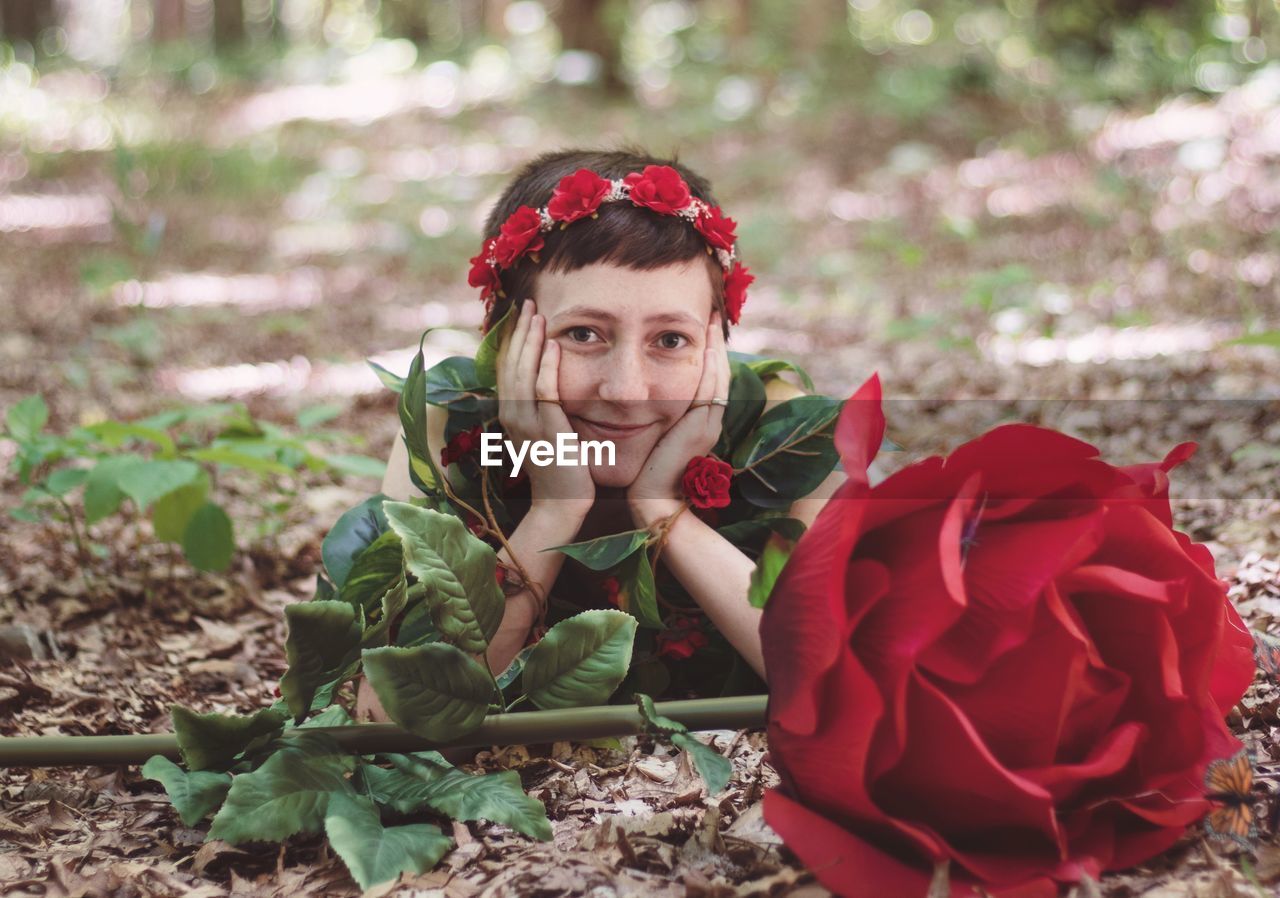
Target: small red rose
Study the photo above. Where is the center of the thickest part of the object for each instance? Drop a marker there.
(735, 290)
(660, 188)
(519, 234)
(706, 481)
(578, 195)
(463, 444)
(718, 230)
(681, 640)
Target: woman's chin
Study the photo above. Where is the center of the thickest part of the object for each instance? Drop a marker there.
(614, 476)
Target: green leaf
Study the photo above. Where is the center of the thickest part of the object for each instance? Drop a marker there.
(102, 494)
(413, 419)
(487, 352)
(213, 740)
(1263, 338)
(209, 539)
(757, 530)
(64, 480)
(433, 690)
(389, 380)
(288, 794)
(639, 590)
(352, 534)
(581, 660)
(376, 569)
(172, 513)
(147, 481)
(604, 552)
(113, 434)
(788, 453)
(26, 418)
(765, 367)
(458, 571)
(390, 606)
(194, 795)
(656, 722)
(376, 854)
(772, 560)
(247, 461)
(746, 401)
(454, 384)
(357, 465)
(714, 767)
(323, 641)
(332, 716)
(497, 797)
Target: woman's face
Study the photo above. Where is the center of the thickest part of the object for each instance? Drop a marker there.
(631, 353)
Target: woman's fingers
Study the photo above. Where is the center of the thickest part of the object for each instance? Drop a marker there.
(547, 386)
(515, 347)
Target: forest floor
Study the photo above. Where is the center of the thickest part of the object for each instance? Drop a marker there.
(1082, 271)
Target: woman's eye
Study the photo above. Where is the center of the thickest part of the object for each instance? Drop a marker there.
(672, 341)
(580, 334)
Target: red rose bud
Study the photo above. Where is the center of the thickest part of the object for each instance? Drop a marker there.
(718, 230)
(613, 590)
(276, 692)
(660, 188)
(578, 195)
(1007, 658)
(735, 291)
(519, 234)
(500, 574)
(463, 444)
(706, 482)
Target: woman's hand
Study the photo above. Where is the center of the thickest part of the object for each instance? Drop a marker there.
(529, 409)
(655, 493)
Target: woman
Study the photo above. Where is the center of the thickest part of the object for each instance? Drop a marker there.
(621, 320)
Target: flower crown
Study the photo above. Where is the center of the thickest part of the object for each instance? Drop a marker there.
(658, 187)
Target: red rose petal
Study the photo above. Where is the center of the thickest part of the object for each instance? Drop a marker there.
(860, 429)
(1064, 781)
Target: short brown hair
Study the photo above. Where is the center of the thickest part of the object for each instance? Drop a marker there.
(623, 235)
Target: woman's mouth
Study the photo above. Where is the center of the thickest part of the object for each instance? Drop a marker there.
(607, 430)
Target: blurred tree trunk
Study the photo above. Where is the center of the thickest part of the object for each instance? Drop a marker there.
(25, 19)
(582, 27)
(169, 21)
(228, 23)
(495, 22)
(407, 19)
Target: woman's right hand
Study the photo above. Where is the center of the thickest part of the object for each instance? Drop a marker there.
(529, 371)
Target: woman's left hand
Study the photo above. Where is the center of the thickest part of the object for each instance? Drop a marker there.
(656, 492)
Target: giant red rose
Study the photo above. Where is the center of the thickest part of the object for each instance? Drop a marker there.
(1006, 658)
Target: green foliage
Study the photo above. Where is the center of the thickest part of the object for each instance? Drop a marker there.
(770, 564)
(173, 486)
(581, 660)
(214, 741)
(376, 854)
(194, 795)
(714, 767)
(324, 638)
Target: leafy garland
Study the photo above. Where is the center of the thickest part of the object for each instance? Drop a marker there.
(410, 598)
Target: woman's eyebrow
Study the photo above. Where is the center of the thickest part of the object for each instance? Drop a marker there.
(603, 315)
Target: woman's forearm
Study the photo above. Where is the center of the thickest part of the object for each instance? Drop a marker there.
(715, 573)
(552, 524)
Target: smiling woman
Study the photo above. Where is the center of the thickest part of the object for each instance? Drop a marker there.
(614, 329)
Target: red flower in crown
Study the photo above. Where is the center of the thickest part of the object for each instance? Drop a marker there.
(735, 291)
(519, 234)
(578, 195)
(483, 274)
(660, 188)
(718, 230)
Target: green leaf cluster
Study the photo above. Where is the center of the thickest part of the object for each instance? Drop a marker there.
(174, 484)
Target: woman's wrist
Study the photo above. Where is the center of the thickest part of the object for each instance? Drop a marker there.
(646, 511)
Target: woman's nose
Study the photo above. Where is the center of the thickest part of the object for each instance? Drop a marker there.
(624, 378)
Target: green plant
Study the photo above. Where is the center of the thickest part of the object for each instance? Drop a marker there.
(411, 600)
(174, 486)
